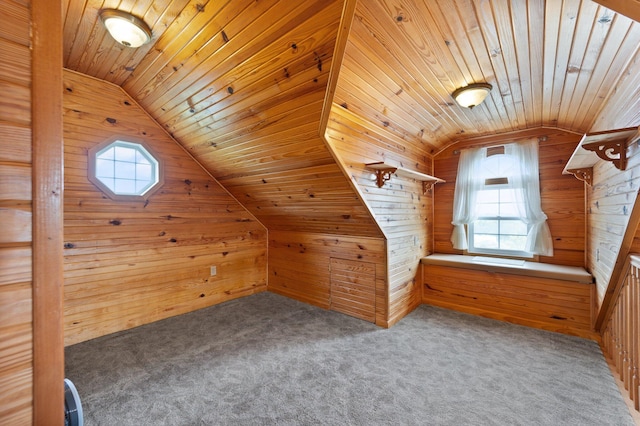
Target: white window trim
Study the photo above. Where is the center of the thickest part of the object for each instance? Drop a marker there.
(125, 140)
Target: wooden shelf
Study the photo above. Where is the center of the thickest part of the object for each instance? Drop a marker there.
(609, 146)
(384, 171)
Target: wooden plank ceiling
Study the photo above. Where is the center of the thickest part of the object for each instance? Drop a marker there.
(551, 63)
(241, 84)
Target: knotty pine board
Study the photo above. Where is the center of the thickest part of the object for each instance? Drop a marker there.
(549, 304)
(16, 313)
(610, 202)
(300, 268)
(401, 209)
(353, 288)
(128, 263)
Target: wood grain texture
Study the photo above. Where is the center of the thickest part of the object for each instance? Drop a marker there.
(300, 268)
(247, 107)
(405, 58)
(48, 286)
(244, 86)
(621, 332)
(562, 196)
(401, 209)
(353, 288)
(16, 210)
(130, 263)
(614, 216)
(545, 303)
(245, 97)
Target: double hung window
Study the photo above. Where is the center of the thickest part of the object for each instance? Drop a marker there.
(498, 228)
(497, 202)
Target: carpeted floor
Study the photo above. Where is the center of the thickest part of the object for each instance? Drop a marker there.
(269, 360)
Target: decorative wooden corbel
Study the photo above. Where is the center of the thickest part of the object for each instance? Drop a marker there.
(584, 174)
(383, 175)
(428, 186)
(611, 150)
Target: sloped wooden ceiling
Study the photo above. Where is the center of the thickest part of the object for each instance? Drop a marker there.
(241, 85)
(560, 63)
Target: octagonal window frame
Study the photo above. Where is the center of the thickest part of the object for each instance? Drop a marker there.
(153, 159)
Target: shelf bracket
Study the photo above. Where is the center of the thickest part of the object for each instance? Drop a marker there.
(383, 175)
(427, 186)
(584, 174)
(614, 151)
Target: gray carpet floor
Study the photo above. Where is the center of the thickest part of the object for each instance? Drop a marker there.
(269, 360)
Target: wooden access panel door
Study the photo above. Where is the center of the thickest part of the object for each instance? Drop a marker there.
(353, 288)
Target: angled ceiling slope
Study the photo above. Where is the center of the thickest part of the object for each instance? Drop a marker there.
(568, 64)
(241, 85)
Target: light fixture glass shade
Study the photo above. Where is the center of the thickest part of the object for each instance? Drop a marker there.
(472, 95)
(125, 28)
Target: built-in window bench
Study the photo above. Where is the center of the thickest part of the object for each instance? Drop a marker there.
(541, 295)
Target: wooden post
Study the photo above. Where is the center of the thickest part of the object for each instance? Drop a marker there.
(47, 143)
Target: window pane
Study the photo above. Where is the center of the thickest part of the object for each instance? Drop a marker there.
(508, 195)
(141, 186)
(513, 227)
(485, 210)
(107, 154)
(125, 154)
(143, 172)
(486, 227)
(141, 158)
(509, 210)
(125, 186)
(484, 241)
(489, 196)
(104, 168)
(512, 242)
(125, 170)
(109, 183)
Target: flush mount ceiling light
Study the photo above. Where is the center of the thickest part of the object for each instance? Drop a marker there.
(125, 28)
(471, 95)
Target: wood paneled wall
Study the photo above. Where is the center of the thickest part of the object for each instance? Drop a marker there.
(401, 209)
(16, 334)
(563, 196)
(130, 263)
(545, 303)
(245, 97)
(300, 268)
(611, 200)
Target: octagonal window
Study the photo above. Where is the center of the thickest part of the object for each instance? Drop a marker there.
(124, 169)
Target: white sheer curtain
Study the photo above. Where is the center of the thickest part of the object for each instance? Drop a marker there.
(468, 182)
(539, 239)
(471, 179)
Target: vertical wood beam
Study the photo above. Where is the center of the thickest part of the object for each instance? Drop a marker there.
(47, 144)
(348, 12)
